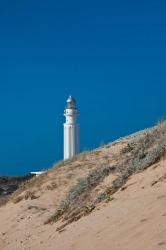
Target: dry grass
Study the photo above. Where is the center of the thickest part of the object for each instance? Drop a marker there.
(62, 176)
(138, 154)
(79, 184)
(77, 194)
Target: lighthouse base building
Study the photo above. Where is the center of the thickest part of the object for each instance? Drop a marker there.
(71, 130)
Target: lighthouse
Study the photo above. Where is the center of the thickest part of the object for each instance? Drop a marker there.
(71, 129)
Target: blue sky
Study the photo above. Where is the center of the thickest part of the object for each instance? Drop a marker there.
(110, 55)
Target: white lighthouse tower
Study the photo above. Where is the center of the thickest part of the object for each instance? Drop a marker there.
(71, 129)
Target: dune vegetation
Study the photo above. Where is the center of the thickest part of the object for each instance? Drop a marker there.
(82, 183)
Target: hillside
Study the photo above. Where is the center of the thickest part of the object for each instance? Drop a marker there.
(9, 184)
(110, 198)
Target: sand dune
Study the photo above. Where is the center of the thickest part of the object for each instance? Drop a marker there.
(133, 219)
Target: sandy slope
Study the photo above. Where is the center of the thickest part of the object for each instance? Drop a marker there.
(134, 220)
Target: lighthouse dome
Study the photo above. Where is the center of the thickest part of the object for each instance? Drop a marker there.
(71, 103)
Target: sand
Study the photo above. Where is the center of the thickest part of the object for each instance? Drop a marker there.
(134, 220)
